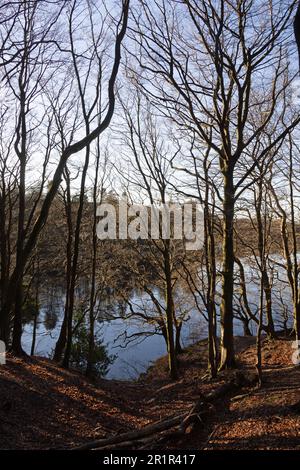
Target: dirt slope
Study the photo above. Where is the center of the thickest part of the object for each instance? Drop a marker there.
(44, 406)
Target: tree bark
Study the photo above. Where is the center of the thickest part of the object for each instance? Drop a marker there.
(227, 344)
(170, 313)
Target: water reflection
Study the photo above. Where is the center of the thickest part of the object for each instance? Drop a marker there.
(121, 336)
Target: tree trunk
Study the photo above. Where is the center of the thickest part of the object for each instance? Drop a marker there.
(16, 347)
(258, 338)
(67, 355)
(247, 331)
(61, 342)
(212, 341)
(4, 326)
(268, 296)
(178, 347)
(4, 271)
(227, 344)
(170, 314)
(90, 360)
(297, 322)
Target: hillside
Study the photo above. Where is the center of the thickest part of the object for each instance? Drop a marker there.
(43, 406)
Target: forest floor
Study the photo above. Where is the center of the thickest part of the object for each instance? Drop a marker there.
(43, 406)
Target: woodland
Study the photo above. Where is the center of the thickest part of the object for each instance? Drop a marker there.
(150, 104)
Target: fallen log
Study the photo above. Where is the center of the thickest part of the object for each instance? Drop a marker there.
(126, 444)
(203, 407)
(223, 390)
(132, 435)
(183, 423)
(196, 415)
(144, 442)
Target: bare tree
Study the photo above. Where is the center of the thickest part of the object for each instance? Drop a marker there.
(207, 77)
(149, 173)
(26, 65)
